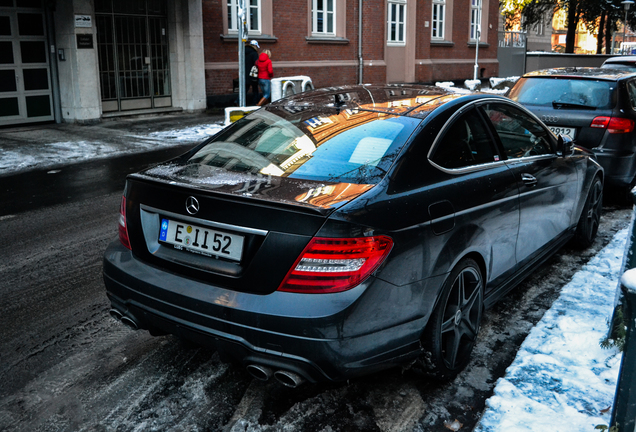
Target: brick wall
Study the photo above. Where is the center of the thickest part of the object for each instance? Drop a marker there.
(290, 28)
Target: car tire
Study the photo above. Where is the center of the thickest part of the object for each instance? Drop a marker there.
(452, 328)
(590, 217)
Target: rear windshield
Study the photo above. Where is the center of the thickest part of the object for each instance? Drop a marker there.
(567, 91)
(621, 66)
(352, 146)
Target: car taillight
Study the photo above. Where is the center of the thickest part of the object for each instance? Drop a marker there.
(620, 125)
(600, 122)
(613, 124)
(123, 228)
(329, 265)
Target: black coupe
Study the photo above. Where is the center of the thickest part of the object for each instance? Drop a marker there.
(347, 230)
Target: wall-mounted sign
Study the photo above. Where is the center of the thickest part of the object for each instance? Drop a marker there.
(84, 40)
(83, 21)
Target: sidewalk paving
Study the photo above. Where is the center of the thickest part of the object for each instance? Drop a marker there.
(560, 380)
(39, 146)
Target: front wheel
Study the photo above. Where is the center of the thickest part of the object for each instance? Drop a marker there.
(452, 329)
(590, 218)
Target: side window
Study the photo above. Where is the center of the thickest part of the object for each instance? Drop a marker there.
(520, 135)
(631, 91)
(466, 142)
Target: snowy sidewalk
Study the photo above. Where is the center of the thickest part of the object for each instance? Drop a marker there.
(561, 379)
(42, 146)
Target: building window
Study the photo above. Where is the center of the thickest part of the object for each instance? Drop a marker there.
(538, 27)
(253, 11)
(475, 19)
(323, 17)
(439, 7)
(396, 21)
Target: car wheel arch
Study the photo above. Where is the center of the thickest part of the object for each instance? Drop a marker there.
(475, 256)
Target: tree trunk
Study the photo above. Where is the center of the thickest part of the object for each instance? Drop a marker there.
(573, 21)
(599, 37)
(608, 35)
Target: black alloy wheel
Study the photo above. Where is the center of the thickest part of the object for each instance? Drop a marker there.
(590, 217)
(453, 327)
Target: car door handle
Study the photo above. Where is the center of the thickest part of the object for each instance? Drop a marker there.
(528, 179)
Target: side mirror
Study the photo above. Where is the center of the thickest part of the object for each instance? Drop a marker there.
(565, 145)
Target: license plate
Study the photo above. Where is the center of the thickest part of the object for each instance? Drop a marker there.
(558, 130)
(204, 241)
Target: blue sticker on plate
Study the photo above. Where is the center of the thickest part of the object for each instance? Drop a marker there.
(164, 230)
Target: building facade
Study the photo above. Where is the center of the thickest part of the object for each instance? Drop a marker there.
(337, 42)
(83, 60)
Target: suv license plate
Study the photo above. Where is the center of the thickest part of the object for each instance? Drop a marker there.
(204, 241)
(558, 130)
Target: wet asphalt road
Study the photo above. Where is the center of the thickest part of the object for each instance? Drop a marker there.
(36, 189)
(66, 365)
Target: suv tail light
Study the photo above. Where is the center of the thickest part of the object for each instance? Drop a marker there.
(123, 229)
(613, 124)
(329, 265)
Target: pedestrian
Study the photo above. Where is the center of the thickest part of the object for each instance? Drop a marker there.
(251, 76)
(265, 75)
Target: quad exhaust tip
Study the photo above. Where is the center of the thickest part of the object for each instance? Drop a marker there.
(262, 373)
(125, 319)
(116, 314)
(289, 379)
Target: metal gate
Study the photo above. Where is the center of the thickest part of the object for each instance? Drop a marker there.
(25, 79)
(511, 54)
(132, 41)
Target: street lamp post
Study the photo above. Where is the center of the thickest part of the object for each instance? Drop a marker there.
(478, 37)
(627, 4)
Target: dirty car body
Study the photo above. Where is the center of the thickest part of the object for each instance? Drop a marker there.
(347, 230)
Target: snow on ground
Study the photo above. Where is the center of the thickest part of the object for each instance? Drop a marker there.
(196, 133)
(49, 154)
(561, 379)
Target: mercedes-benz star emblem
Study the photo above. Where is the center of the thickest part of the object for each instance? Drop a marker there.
(192, 205)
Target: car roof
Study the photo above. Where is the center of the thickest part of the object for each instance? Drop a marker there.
(621, 59)
(412, 100)
(581, 72)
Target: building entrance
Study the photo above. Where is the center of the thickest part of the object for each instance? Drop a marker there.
(132, 42)
(25, 79)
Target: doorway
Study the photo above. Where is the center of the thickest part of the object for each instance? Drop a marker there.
(25, 79)
(132, 42)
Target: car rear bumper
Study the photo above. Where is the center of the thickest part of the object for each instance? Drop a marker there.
(317, 336)
(619, 166)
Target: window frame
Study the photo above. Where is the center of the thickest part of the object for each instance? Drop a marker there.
(476, 14)
(397, 4)
(326, 13)
(439, 22)
(232, 19)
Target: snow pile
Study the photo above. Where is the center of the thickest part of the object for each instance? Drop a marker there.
(561, 379)
(449, 85)
(473, 85)
(496, 82)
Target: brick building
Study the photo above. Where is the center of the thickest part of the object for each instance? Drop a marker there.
(401, 40)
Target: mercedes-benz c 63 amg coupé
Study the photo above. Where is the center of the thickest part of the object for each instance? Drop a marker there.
(347, 230)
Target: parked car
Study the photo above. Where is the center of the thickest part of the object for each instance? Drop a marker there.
(347, 230)
(593, 106)
(625, 62)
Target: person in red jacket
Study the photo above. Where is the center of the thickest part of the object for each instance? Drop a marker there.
(265, 75)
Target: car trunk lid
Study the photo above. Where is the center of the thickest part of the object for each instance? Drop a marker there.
(244, 232)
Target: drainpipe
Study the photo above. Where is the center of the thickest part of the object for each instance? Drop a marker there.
(360, 61)
(55, 81)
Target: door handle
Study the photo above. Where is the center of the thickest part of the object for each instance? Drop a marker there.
(528, 179)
